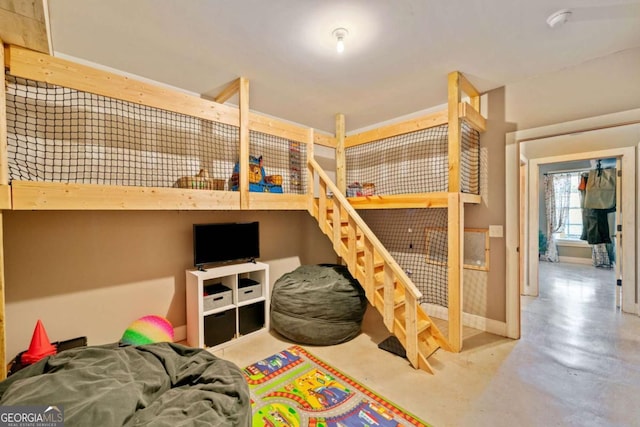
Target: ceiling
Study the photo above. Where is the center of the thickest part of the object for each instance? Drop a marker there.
(396, 59)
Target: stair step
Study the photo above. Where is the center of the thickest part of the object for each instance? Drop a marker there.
(398, 295)
(428, 338)
(422, 323)
(344, 231)
(378, 263)
(426, 348)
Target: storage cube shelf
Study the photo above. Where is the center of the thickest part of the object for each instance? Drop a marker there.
(226, 303)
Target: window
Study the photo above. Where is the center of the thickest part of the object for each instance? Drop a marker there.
(572, 221)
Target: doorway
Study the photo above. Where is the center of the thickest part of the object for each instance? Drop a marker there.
(599, 137)
(626, 255)
(577, 233)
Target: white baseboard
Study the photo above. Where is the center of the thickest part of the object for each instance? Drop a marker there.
(575, 260)
(472, 320)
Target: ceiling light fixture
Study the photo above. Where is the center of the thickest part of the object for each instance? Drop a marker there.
(340, 34)
(558, 18)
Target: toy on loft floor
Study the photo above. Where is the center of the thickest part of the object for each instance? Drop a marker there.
(259, 181)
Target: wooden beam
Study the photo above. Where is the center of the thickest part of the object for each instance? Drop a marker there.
(231, 89)
(336, 221)
(37, 66)
(4, 159)
(23, 23)
(454, 132)
(401, 201)
(407, 126)
(411, 331)
(310, 189)
(322, 208)
(471, 91)
(32, 195)
(352, 254)
(369, 271)
(472, 117)
(466, 86)
(5, 196)
(244, 144)
(455, 251)
(474, 199)
(280, 128)
(341, 161)
(269, 201)
(324, 140)
(388, 314)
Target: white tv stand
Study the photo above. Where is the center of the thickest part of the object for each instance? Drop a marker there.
(234, 314)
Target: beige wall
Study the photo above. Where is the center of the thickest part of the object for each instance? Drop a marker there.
(492, 209)
(93, 273)
(602, 86)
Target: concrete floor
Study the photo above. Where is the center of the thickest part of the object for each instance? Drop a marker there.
(577, 363)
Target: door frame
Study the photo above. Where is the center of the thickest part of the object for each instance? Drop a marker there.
(514, 144)
(628, 160)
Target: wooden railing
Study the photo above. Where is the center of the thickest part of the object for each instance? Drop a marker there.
(386, 285)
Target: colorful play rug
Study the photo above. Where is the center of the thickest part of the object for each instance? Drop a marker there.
(294, 388)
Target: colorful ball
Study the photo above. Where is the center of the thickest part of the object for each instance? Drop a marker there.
(147, 330)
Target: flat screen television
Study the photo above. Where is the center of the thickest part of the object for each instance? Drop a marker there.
(225, 242)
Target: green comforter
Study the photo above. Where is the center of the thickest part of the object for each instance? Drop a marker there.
(157, 384)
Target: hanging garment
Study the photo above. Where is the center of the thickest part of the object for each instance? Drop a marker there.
(601, 189)
(600, 256)
(595, 226)
(582, 186)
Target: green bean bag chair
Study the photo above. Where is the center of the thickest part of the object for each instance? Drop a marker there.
(318, 305)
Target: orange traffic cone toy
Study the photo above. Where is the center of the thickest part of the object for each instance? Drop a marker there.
(40, 346)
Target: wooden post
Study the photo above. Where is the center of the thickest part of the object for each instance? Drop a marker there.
(341, 161)
(411, 330)
(466, 87)
(4, 162)
(455, 240)
(310, 177)
(244, 144)
(4, 180)
(337, 225)
(369, 273)
(228, 91)
(454, 132)
(388, 314)
(352, 245)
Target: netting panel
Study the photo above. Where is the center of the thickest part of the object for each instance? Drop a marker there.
(64, 135)
(415, 162)
(403, 232)
(282, 157)
(470, 160)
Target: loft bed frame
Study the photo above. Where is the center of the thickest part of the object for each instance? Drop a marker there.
(387, 286)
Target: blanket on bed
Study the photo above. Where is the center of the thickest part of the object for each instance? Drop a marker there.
(164, 384)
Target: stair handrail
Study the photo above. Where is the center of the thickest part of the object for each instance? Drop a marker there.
(406, 282)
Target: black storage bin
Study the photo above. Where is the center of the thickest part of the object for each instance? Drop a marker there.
(251, 317)
(219, 327)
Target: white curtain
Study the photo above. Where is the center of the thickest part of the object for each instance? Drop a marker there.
(557, 189)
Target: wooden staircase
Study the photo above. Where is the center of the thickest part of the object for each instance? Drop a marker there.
(386, 285)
